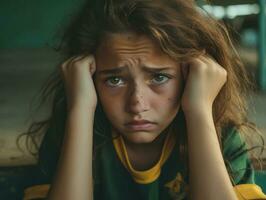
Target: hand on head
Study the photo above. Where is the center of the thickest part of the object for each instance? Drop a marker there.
(204, 79)
(77, 73)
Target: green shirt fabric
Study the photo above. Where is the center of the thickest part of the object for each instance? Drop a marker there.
(117, 183)
(114, 182)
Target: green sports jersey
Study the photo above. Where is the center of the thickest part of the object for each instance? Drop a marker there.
(166, 180)
(118, 179)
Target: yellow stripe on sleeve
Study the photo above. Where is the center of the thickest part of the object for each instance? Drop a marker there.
(249, 192)
(36, 192)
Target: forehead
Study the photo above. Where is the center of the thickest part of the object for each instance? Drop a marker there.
(117, 48)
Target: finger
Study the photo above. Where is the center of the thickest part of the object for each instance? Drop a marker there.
(88, 61)
(65, 65)
(203, 52)
(93, 66)
(69, 61)
(207, 58)
(211, 62)
(80, 58)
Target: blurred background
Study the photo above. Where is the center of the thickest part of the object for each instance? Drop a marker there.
(29, 31)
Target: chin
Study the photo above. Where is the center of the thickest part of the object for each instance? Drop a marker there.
(140, 137)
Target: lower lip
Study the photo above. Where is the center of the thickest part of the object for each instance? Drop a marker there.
(141, 127)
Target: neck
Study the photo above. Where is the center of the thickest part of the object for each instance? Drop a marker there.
(145, 156)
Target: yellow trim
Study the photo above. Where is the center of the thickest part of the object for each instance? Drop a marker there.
(36, 192)
(150, 175)
(249, 192)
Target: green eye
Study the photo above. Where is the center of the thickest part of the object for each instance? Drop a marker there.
(159, 79)
(114, 81)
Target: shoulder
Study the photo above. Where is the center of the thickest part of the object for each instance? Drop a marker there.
(239, 165)
(236, 157)
(232, 141)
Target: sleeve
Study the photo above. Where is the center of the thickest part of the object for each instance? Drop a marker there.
(249, 191)
(36, 192)
(239, 167)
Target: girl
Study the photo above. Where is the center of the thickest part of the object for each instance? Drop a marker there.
(149, 105)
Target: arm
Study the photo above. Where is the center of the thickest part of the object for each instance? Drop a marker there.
(208, 175)
(73, 179)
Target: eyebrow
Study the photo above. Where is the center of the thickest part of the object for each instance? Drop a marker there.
(118, 70)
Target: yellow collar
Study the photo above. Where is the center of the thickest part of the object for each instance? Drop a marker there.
(150, 175)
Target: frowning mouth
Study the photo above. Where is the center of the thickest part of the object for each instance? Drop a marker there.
(140, 125)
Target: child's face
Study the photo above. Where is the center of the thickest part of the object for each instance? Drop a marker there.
(135, 80)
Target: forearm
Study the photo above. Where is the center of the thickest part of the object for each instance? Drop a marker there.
(208, 175)
(73, 179)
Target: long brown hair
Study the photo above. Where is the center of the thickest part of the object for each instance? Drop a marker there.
(181, 29)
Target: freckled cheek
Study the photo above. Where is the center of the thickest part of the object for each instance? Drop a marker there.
(170, 94)
(105, 92)
(173, 90)
(111, 100)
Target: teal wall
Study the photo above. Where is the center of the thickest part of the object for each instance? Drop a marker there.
(33, 23)
(262, 46)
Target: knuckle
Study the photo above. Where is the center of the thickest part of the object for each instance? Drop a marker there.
(81, 61)
(63, 66)
(202, 67)
(68, 62)
(76, 64)
(62, 70)
(223, 71)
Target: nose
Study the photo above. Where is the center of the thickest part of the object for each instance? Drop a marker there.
(137, 100)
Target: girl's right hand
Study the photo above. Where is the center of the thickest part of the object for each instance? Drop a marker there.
(77, 74)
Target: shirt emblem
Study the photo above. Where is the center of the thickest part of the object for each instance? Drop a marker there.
(177, 187)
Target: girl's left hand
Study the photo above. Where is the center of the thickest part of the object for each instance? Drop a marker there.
(204, 78)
